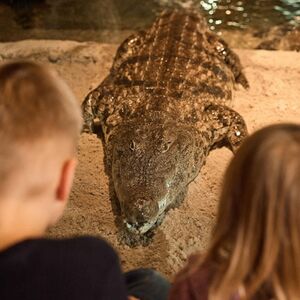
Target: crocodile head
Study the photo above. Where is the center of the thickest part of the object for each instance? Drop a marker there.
(151, 166)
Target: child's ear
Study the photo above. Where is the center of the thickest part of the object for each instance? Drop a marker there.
(66, 179)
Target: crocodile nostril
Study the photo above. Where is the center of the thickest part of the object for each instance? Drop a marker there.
(140, 211)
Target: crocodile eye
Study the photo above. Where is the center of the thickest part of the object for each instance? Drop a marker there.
(166, 146)
(132, 146)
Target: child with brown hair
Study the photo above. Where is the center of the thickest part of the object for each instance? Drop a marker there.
(255, 247)
(40, 123)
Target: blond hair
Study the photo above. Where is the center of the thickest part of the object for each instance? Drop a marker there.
(36, 106)
(255, 248)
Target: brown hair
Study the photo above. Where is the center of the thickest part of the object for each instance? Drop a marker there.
(35, 105)
(256, 241)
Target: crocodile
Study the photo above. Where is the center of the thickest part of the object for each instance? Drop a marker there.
(162, 108)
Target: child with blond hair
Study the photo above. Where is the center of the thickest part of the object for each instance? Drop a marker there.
(255, 248)
(40, 123)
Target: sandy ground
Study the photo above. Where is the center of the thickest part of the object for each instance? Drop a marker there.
(274, 97)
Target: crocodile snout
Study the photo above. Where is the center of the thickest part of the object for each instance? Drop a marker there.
(140, 211)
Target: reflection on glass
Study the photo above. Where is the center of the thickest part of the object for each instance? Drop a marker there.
(111, 21)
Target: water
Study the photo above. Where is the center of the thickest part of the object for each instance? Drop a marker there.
(111, 21)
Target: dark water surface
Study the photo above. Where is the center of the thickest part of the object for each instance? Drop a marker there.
(111, 21)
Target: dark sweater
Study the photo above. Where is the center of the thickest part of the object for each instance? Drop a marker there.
(83, 268)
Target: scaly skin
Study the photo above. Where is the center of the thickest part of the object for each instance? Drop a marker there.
(162, 109)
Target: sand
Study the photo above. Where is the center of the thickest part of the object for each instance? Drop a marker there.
(274, 97)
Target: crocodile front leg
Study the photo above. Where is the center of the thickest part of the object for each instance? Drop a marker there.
(87, 108)
(227, 126)
(95, 103)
